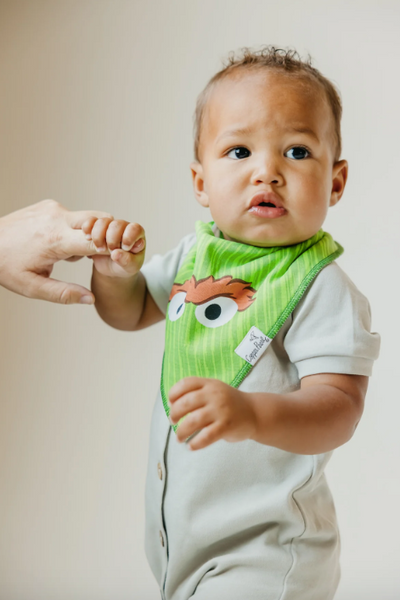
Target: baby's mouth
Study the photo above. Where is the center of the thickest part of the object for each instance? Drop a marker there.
(266, 205)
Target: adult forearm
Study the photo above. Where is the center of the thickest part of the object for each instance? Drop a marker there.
(308, 421)
(119, 301)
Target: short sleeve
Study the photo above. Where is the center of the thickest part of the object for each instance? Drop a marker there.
(161, 270)
(330, 330)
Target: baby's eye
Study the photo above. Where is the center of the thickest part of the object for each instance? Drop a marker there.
(239, 152)
(297, 152)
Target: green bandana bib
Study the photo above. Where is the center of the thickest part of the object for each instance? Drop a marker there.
(229, 300)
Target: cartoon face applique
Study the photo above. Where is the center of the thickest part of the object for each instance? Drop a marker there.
(216, 300)
(205, 322)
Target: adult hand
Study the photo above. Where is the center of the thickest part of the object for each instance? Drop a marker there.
(33, 239)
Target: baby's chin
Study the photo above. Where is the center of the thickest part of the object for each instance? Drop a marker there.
(251, 242)
(287, 241)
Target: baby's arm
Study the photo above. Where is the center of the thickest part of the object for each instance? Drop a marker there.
(121, 296)
(317, 418)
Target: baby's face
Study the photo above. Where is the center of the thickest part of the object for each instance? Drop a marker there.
(267, 168)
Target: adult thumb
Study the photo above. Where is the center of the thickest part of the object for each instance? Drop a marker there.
(60, 292)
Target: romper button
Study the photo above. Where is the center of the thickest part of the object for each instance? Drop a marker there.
(161, 539)
(159, 469)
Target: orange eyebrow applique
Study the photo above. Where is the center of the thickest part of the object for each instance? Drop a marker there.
(199, 292)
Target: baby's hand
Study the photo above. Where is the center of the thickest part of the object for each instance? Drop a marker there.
(120, 246)
(215, 409)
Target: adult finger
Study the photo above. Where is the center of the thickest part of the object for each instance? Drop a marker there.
(74, 243)
(60, 292)
(75, 219)
(74, 258)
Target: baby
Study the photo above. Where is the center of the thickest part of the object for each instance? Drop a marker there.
(268, 345)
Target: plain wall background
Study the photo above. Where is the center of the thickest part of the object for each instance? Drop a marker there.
(96, 107)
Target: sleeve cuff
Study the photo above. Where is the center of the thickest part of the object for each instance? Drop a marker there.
(347, 365)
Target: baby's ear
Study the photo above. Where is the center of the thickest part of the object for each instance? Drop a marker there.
(339, 177)
(198, 184)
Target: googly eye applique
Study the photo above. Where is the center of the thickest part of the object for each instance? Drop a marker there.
(177, 306)
(216, 300)
(216, 312)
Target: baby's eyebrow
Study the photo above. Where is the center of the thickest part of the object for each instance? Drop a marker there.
(305, 130)
(237, 131)
(248, 130)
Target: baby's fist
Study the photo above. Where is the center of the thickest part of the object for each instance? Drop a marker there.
(120, 246)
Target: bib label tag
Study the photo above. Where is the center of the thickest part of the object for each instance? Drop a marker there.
(253, 345)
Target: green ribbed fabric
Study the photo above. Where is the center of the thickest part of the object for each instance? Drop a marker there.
(205, 322)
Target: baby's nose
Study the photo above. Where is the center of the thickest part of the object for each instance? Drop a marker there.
(267, 171)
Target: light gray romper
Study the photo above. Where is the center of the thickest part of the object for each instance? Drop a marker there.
(245, 521)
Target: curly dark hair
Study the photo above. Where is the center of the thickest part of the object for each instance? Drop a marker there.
(286, 61)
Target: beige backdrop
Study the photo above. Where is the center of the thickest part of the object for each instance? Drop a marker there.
(96, 103)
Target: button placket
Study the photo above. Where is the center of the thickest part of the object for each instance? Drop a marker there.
(160, 476)
(164, 477)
